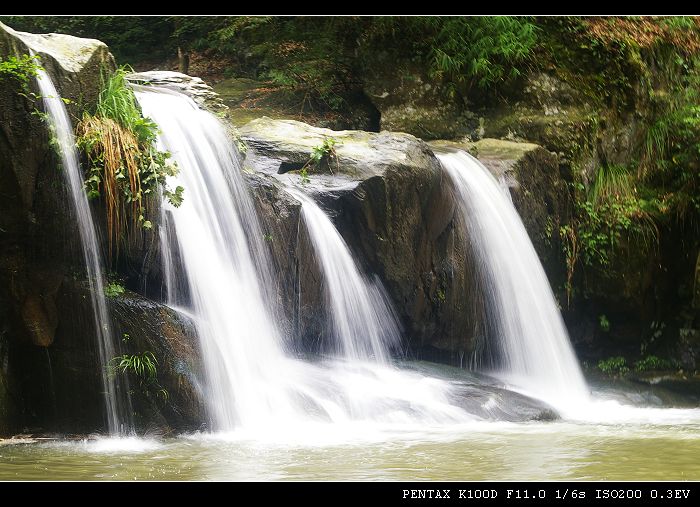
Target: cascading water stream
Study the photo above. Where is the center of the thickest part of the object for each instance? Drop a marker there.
(527, 329)
(216, 229)
(364, 327)
(253, 385)
(115, 396)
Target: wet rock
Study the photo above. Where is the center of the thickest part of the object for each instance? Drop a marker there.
(696, 284)
(60, 386)
(147, 326)
(539, 192)
(39, 241)
(387, 196)
(192, 86)
(485, 397)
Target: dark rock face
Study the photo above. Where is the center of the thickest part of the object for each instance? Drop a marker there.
(38, 238)
(49, 368)
(172, 339)
(389, 200)
(58, 388)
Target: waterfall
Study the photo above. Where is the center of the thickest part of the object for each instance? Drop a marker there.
(253, 384)
(527, 330)
(118, 420)
(364, 327)
(219, 243)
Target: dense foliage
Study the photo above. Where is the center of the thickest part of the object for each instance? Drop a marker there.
(631, 68)
(320, 57)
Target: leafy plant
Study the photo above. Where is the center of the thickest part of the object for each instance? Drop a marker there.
(304, 174)
(113, 290)
(480, 50)
(21, 69)
(613, 366)
(124, 165)
(650, 363)
(144, 367)
(604, 323)
(325, 150)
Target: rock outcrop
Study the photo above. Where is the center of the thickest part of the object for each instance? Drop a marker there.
(408, 100)
(50, 378)
(38, 237)
(388, 198)
(191, 86)
(59, 388)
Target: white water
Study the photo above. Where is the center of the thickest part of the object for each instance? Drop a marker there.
(214, 227)
(254, 387)
(364, 327)
(60, 127)
(530, 338)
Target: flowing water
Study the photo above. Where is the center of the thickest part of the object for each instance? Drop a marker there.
(216, 231)
(61, 129)
(532, 347)
(364, 327)
(660, 444)
(254, 383)
(358, 416)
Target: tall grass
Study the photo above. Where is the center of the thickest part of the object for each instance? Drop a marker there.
(124, 164)
(118, 102)
(613, 182)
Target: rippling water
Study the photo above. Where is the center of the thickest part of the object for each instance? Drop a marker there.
(477, 451)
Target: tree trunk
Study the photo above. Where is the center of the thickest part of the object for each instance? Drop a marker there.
(183, 59)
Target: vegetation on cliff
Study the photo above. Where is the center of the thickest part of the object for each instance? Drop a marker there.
(124, 165)
(614, 98)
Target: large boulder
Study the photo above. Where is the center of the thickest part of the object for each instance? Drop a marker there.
(39, 241)
(38, 233)
(59, 388)
(387, 196)
(75, 66)
(50, 378)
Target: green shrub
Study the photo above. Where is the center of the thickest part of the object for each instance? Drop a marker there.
(114, 289)
(613, 366)
(21, 70)
(650, 363)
